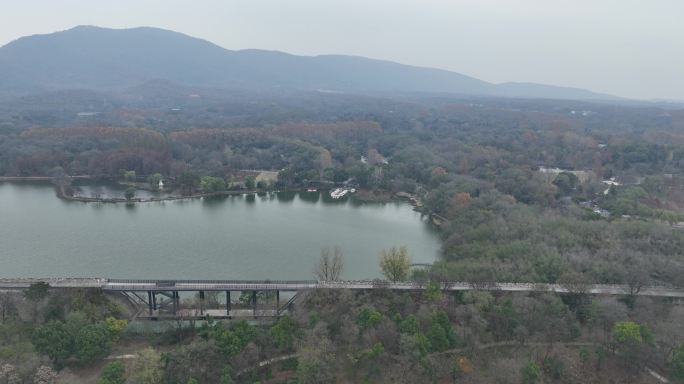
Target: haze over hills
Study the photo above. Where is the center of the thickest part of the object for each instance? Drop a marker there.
(96, 58)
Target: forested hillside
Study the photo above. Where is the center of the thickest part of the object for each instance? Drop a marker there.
(519, 190)
(93, 58)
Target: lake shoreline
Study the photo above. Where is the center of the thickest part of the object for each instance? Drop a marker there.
(61, 193)
(233, 237)
(363, 196)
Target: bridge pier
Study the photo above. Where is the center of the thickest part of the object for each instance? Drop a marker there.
(277, 302)
(201, 299)
(154, 300)
(228, 303)
(254, 302)
(174, 299)
(149, 301)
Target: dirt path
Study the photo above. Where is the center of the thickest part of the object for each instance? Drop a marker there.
(270, 361)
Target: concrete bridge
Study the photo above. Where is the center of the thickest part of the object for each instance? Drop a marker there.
(163, 296)
(137, 285)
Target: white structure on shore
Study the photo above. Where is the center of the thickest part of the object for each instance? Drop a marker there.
(340, 192)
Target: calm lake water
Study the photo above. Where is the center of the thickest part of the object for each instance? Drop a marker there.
(276, 236)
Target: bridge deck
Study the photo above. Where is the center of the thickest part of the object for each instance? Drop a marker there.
(251, 285)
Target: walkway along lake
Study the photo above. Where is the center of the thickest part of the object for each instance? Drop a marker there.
(274, 236)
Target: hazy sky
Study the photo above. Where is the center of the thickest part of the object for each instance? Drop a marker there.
(632, 48)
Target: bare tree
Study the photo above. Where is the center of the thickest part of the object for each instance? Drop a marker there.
(668, 331)
(480, 277)
(329, 266)
(577, 297)
(636, 278)
(576, 283)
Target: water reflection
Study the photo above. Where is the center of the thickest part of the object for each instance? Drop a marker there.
(213, 202)
(269, 236)
(328, 199)
(310, 197)
(286, 197)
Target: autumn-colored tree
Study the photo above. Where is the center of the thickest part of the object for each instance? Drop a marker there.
(395, 263)
(438, 175)
(374, 157)
(631, 341)
(459, 202)
(147, 368)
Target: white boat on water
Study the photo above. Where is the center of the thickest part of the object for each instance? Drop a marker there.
(338, 193)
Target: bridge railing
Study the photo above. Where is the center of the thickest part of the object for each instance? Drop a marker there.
(152, 281)
(375, 282)
(285, 285)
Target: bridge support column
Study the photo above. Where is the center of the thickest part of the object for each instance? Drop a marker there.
(149, 301)
(254, 303)
(174, 297)
(154, 300)
(201, 295)
(228, 303)
(277, 303)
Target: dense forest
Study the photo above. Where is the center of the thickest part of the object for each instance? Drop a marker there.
(521, 191)
(518, 187)
(383, 336)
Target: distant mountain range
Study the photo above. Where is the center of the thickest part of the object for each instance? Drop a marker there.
(94, 58)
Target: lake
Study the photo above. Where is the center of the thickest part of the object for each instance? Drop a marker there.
(274, 236)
